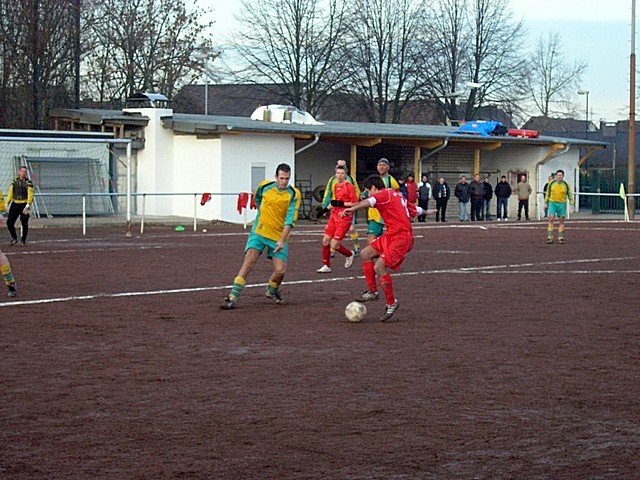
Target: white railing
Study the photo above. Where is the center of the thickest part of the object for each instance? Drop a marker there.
(577, 196)
(195, 195)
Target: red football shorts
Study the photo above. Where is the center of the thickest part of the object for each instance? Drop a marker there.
(337, 226)
(393, 249)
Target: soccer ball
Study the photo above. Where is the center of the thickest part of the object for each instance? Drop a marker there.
(355, 312)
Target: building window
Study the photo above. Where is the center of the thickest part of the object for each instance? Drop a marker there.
(514, 177)
(258, 174)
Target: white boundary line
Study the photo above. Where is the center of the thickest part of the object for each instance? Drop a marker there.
(487, 269)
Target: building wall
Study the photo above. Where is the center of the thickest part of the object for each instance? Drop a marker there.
(317, 163)
(511, 159)
(225, 166)
(239, 153)
(196, 168)
(155, 164)
(185, 164)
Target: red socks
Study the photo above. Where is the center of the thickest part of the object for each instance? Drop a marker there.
(387, 288)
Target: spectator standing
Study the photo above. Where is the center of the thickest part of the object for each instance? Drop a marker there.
(488, 195)
(412, 189)
(503, 192)
(476, 189)
(523, 189)
(544, 193)
(463, 194)
(403, 188)
(441, 193)
(424, 194)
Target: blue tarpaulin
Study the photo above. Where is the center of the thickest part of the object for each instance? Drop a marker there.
(480, 127)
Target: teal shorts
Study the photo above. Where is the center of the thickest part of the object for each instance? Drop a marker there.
(258, 242)
(559, 209)
(375, 228)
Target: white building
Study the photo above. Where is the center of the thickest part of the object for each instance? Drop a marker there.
(179, 156)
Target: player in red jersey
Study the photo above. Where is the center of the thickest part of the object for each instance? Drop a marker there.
(343, 194)
(390, 249)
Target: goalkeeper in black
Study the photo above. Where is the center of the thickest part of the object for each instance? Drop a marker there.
(19, 200)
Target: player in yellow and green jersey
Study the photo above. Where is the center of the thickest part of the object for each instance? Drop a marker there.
(329, 195)
(555, 203)
(375, 222)
(5, 267)
(278, 204)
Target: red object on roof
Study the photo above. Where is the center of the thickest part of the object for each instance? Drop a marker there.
(518, 132)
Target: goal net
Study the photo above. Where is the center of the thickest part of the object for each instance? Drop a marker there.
(62, 173)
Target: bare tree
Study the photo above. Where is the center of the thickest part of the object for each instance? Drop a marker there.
(295, 44)
(387, 53)
(478, 56)
(552, 81)
(36, 58)
(497, 63)
(141, 45)
(446, 71)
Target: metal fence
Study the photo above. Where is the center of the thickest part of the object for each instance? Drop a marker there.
(84, 197)
(600, 189)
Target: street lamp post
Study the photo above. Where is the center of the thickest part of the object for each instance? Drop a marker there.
(586, 113)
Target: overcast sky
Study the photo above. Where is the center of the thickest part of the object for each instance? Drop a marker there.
(597, 31)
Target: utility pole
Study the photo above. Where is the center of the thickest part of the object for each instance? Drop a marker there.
(631, 201)
(77, 52)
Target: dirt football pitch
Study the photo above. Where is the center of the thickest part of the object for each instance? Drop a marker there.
(509, 359)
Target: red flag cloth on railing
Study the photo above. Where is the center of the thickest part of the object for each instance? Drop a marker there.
(205, 198)
(253, 205)
(243, 201)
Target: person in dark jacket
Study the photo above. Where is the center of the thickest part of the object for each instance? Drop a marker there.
(488, 195)
(476, 189)
(544, 192)
(424, 194)
(403, 188)
(463, 194)
(503, 192)
(441, 194)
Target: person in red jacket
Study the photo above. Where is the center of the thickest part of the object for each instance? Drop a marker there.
(412, 189)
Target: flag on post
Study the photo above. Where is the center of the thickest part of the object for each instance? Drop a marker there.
(623, 195)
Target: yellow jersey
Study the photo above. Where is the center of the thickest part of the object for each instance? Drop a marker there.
(558, 192)
(373, 213)
(277, 208)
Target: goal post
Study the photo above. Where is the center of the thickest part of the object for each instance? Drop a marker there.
(72, 173)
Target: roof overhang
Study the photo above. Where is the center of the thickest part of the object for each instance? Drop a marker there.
(349, 133)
